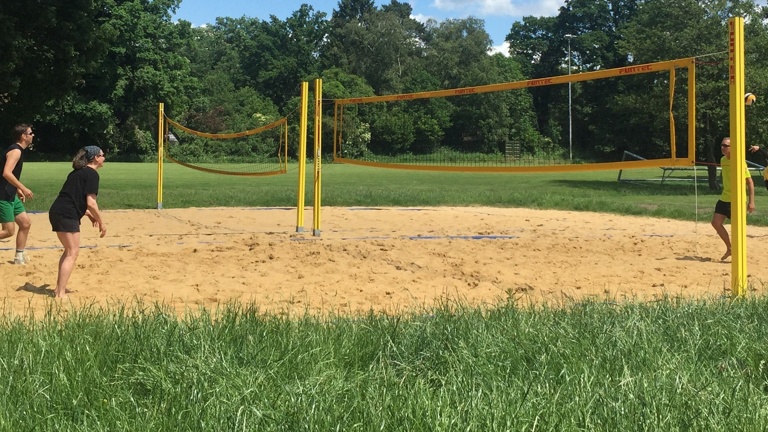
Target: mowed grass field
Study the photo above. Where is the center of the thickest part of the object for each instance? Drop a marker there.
(664, 366)
(134, 186)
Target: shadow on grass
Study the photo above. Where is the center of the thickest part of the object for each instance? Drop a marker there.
(34, 289)
(638, 187)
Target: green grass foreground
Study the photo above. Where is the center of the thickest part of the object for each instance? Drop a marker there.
(663, 366)
(671, 365)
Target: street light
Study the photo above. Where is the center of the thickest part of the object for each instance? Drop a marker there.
(570, 115)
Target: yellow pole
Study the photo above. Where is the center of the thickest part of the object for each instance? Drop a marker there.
(160, 157)
(336, 142)
(302, 156)
(691, 113)
(672, 140)
(284, 166)
(318, 155)
(341, 133)
(738, 157)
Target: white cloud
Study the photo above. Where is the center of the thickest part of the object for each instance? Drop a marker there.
(498, 15)
(541, 8)
(502, 49)
(515, 8)
(422, 18)
(477, 7)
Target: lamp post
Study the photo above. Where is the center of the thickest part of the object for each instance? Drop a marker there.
(570, 115)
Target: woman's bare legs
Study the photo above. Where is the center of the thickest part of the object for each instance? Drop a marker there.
(71, 243)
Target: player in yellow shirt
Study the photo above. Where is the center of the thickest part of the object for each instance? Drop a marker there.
(723, 206)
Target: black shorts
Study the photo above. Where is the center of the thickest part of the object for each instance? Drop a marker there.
(62, 224)
(723, 208)
(766, 184)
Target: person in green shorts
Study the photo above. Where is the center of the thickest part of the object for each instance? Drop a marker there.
(13, 193)
(723, 206)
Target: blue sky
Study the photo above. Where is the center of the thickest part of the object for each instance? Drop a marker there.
(497, 14)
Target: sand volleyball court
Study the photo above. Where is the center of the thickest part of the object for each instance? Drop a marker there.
(382, 259)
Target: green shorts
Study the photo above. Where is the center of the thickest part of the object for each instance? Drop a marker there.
(10, 209)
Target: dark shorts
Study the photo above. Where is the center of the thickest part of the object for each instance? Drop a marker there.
(62, 224)
(723, 208)
(766, 184)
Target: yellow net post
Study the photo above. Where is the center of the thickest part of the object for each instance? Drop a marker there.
(691, 114)
(738, 155)
(302, 156)
(160, 139)
(318, 153)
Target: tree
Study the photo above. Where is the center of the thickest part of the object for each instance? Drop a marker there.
(338, 84)
(93, 72)
(277, 54)
(540, 46)
(47, 50)
(352, 11)
(457, 56)
(378, 45)
(520, 122)
(535, 44)
(142, 67)
(665, 29)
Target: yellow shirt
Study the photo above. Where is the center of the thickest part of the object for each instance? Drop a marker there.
(725, 164)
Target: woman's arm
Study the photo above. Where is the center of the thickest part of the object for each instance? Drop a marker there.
(94, 214)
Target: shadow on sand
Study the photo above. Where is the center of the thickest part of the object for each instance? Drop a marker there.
(34, 289)
(700, 259)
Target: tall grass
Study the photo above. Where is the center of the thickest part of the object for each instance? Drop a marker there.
(671, 365)
(663, 366)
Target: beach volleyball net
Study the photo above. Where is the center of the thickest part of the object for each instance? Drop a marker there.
(489, 128)
(259, 151)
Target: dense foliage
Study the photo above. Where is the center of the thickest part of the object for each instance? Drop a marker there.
(94, 72)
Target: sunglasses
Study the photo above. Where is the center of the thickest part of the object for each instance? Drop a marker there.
(724, 145)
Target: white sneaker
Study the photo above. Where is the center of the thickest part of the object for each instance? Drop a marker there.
(26, 257)
(21, 258)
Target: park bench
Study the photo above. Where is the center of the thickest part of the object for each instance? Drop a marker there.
(668, 172)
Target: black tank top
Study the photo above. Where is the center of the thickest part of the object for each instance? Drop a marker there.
(7, 190)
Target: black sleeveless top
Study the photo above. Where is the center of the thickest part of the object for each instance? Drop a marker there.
(7, 190)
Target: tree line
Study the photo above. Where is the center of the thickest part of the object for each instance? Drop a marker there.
(93, 72)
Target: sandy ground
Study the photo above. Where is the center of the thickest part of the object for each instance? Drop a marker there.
(381, 259)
